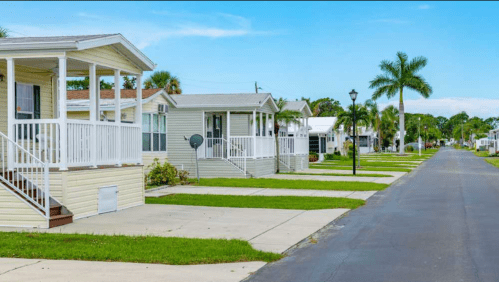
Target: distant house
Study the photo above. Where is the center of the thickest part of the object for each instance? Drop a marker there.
(323, 139)
(494, 141)
(293, 139)
(367, 138)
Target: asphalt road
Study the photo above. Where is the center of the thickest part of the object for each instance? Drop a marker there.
(438, 223)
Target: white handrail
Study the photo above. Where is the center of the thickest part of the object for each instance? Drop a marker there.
(30, 181)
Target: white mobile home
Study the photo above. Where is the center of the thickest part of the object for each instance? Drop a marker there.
(238, 132)
(323, 138)
(494, 141)
(293, 139)
(56, 169)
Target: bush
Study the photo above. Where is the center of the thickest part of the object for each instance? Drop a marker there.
(329, 156)
(161, 174)
(409, 149)
(350, 151)
(337, 153)
(184, 177)
(456, 146)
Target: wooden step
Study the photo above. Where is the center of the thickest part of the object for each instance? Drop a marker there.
(58, 220)
(55, 210)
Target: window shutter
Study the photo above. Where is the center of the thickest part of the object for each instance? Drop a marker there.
(36, 99)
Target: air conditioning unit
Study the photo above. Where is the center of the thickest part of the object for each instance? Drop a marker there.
(163, 108)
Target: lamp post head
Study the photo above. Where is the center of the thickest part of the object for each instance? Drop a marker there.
(353, 94)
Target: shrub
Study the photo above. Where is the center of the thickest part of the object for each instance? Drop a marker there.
(350, 151)
(409, 149)
(329, 157)
(313, 157)
(184, 176)
(337, 153)
(161, 174)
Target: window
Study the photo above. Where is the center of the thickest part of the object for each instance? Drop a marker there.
(154, 132)
(330, 137)
(27, 100)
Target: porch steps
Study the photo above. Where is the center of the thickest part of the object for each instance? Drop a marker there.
(59, 214)
(213, 168)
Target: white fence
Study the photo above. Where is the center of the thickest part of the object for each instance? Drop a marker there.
(42, 138)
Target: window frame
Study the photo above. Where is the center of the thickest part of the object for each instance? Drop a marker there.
(32, 113)
(152, 132)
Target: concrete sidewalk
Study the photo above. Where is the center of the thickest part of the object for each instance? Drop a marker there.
(384, 180)
(273, 230)
(15, 270)
(362, 195)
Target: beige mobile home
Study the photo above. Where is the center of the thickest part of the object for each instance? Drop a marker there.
(53, 168)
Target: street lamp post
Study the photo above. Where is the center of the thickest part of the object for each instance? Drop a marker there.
(426, 136)
(353, 95)
(419, 134)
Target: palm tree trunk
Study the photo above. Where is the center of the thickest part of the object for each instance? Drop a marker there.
(277, 151)
(401, 123)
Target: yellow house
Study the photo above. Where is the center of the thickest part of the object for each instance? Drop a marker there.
(55, 168)
(154, 116)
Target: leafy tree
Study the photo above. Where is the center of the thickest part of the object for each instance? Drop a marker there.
(163, 79)
(82, 84)
(4, 32)
(129, 83)
(326, 107)
(397, 76)
(375, 119)
(283, 117)
(389, 124)
(345, 118)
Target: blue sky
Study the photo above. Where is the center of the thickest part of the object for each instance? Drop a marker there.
(295, 49)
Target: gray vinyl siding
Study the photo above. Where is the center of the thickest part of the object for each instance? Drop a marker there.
(183, 122)
(296, 162)
(261, 167)
(215, 168)
(239, 125)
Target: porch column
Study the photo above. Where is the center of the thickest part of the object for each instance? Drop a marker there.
(138, 113)
(228, 135)
(261, 124)
(93, 113)
(267, 125)
(117, 115)
(11, 110)
(63, 114)
(272, 122)
(254, 134)
(97, 98)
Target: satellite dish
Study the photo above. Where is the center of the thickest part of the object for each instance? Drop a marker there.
(195, 141)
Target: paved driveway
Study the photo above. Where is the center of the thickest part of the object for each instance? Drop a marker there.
(439, 223)
(273, 230)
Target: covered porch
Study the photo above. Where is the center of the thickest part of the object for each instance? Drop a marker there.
(53, 138)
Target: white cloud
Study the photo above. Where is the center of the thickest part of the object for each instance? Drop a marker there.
(447, 107)
(424, 7)
(146, 33)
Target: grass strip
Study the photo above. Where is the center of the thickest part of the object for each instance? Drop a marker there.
(363, 169)
(493, 161)
(262, 202)
(339, 174)
(292, 184)
(481, 153)
(137, 249)
(369, 164)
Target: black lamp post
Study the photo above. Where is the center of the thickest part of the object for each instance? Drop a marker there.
(353, 95)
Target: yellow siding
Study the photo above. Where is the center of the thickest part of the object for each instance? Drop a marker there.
(105, 56)
(79, 115)
(82, 190)
(152, 106)
(130, 115)
(29, 76)
(15, 212)
(148, 158)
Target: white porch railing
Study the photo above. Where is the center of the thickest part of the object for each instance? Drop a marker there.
(30, 181)
(216, 148)
(42, 138)
(293, 146)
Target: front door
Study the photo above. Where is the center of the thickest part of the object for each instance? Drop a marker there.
(214, 136)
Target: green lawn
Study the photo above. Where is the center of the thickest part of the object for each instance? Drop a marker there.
(493, 161)
(138, 249)
(368, 164)
(363, 169)
(292, 184)
(339, 174)
(481, 153)
(263, 202)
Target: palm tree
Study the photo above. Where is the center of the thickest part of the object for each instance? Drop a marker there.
(345, 118)
(283, 117)
(389, 123)
(4, 32)
(375, 119)
(398, 75)
(163, 79)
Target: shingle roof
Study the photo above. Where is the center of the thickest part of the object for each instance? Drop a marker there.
(109, 93)
(294, 105)
(52, 39)
(221, 100)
